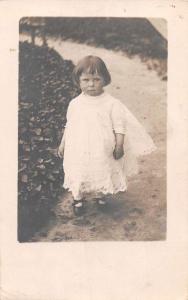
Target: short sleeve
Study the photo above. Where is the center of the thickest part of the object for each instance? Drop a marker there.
(118, 116)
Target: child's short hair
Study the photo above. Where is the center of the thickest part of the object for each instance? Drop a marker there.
(91, 64)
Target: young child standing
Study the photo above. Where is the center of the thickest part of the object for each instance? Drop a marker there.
(102, 139)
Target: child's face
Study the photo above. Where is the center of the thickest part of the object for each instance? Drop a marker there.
(91, 84)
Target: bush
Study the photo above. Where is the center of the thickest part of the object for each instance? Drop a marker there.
(45, 90)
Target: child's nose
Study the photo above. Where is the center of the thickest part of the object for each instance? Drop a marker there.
(90, 82)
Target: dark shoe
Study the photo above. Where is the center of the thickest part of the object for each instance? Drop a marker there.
(101, 204)
(78, 207)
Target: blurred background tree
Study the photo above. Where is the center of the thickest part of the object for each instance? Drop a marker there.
(36, 26)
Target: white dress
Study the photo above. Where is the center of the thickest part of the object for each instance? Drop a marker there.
(89, 166)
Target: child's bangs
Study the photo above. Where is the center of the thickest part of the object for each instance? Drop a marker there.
(91, 67)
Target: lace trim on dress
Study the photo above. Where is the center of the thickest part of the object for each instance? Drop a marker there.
(96, 187)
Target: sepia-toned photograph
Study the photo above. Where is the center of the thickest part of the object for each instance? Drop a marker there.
(92, 125)
(94, 150)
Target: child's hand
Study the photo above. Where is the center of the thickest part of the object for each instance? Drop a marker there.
(118, 152)
(60, 151)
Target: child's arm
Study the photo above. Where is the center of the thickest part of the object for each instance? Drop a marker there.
(119, 151)
(118, 116)
(60, 150)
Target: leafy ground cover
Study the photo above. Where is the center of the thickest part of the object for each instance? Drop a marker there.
(45, 89)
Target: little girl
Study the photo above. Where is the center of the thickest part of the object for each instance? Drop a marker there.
(102, 139)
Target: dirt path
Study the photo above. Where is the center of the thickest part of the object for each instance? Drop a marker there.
(140, 214)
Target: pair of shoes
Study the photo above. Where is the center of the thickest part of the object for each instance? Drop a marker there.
(78, 207)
